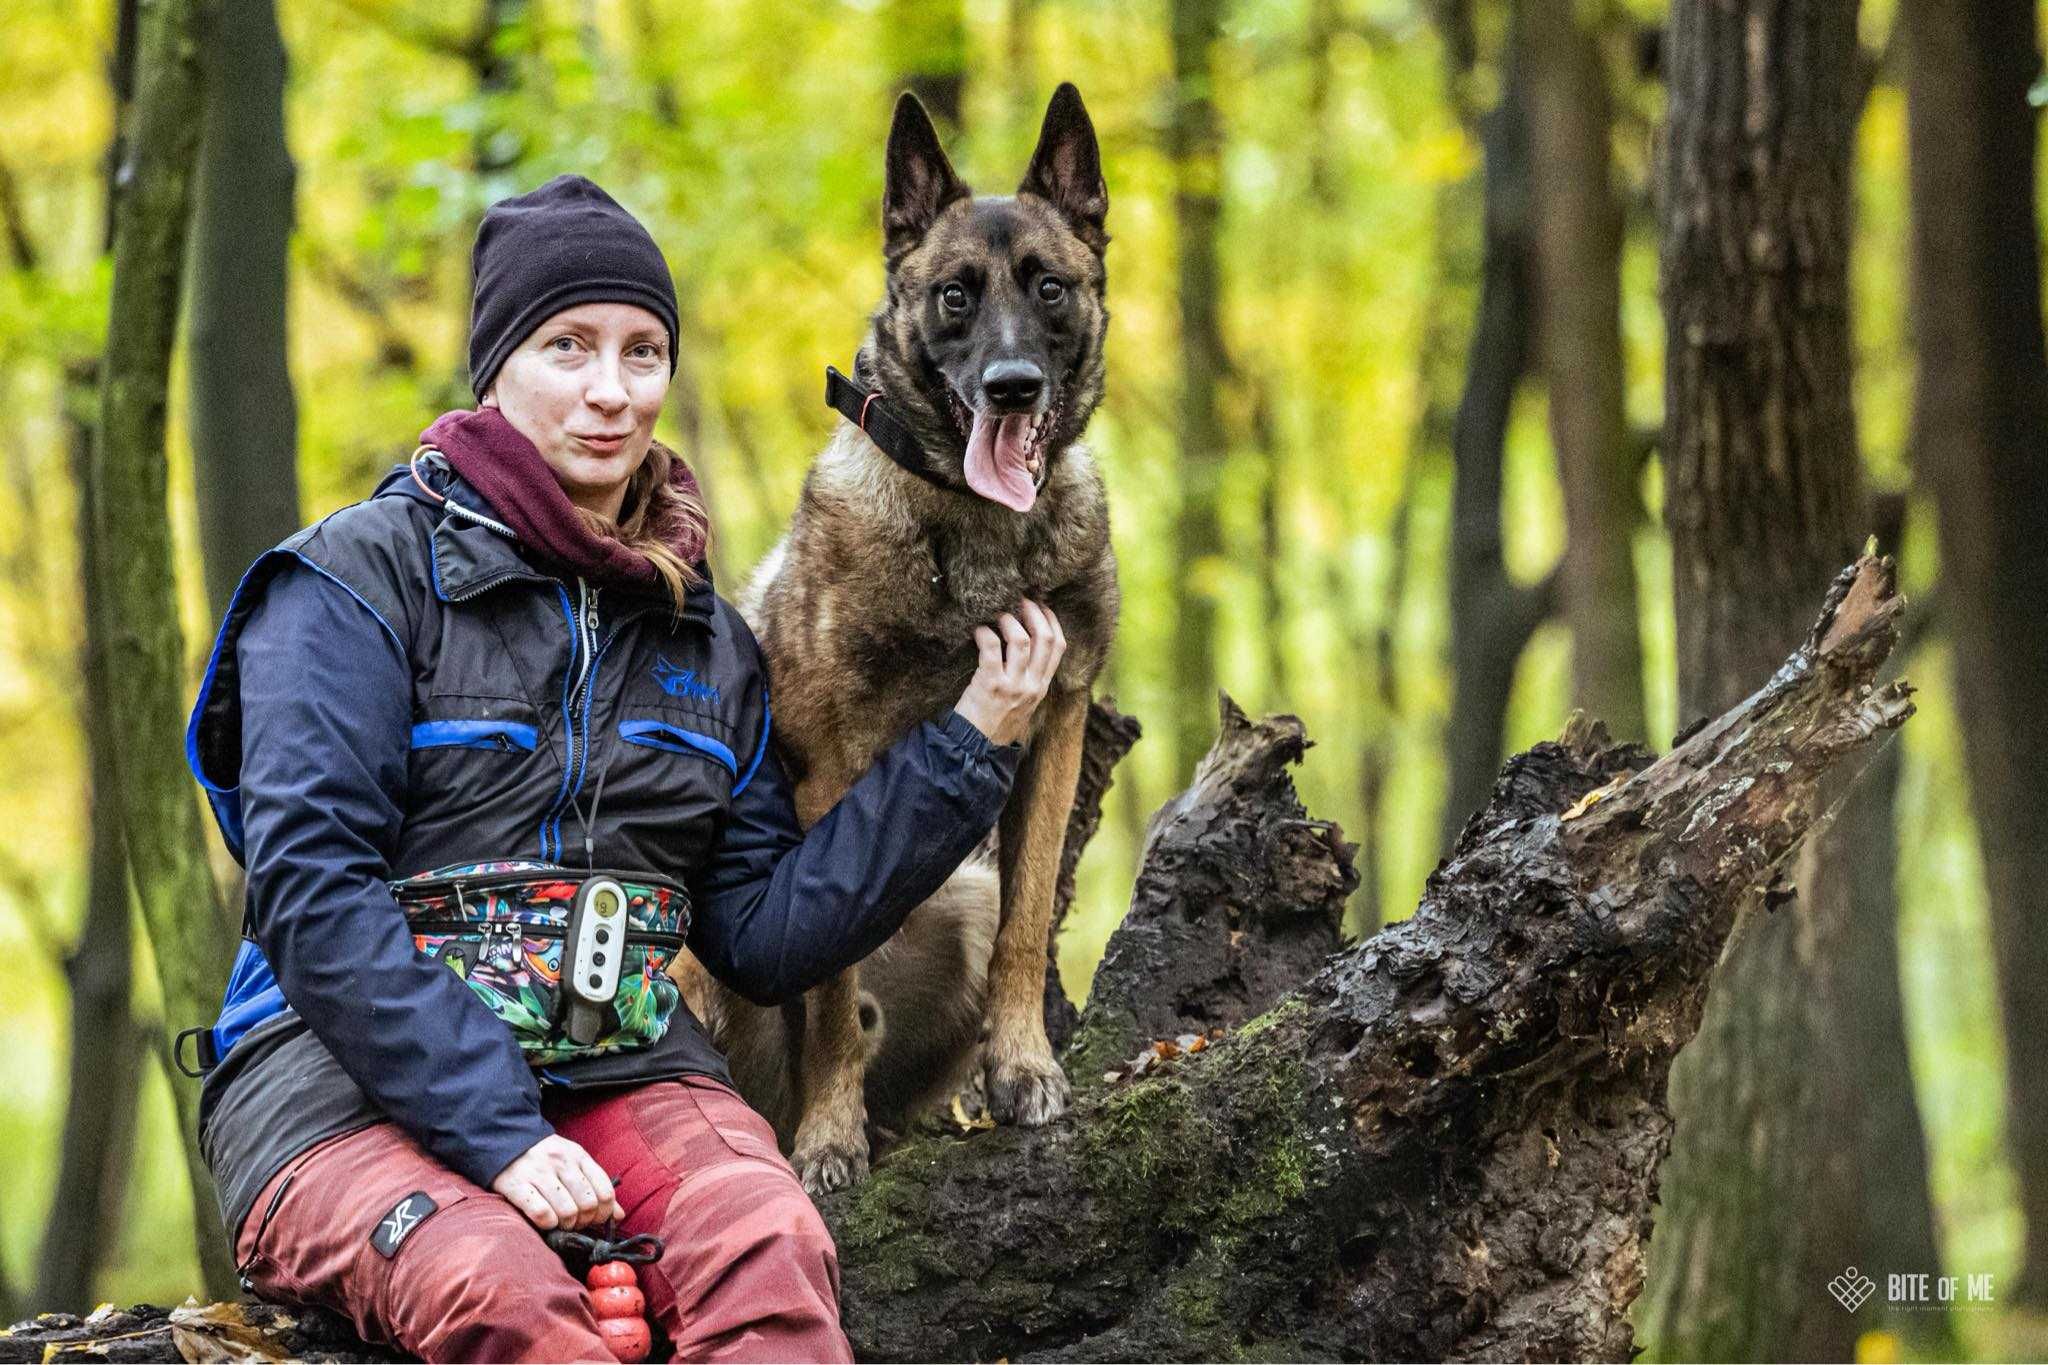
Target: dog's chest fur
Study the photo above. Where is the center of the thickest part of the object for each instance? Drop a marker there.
(867, 607)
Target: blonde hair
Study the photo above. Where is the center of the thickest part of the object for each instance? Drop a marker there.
(656, 516)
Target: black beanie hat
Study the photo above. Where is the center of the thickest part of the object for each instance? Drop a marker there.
(566, 243)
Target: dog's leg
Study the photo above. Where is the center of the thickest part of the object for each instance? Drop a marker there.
(831, 1149)
(1025, 1085)
(831, 1138)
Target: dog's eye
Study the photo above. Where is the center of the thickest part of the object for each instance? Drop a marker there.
(1050, 289)
(954, 298)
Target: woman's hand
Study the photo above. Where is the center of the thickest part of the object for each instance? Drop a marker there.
(1015, 669)
(555, 1183)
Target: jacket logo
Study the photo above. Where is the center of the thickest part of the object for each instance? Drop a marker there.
(683, 682)
(398, 1224)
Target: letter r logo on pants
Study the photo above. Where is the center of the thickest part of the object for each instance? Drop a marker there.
(395, 1226)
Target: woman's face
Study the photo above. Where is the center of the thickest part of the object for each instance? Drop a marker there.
(585, 388)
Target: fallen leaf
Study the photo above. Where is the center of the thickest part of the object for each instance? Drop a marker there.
(969, 1125)
(220, 1331)
(1595, 797)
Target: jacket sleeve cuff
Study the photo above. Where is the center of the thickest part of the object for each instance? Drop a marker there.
(971, 741)
(483, 1162)
(974, 774)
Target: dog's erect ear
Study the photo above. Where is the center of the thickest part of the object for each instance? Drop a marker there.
(1067, 167)
(919, 181)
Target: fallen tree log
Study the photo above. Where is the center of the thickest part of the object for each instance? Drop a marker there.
(1444, 1143)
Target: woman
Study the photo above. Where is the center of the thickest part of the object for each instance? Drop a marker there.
(512, 653)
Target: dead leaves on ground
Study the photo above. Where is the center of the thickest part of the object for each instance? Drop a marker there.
(1161, 1052)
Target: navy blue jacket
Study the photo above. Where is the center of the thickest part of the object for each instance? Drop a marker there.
(397, 689)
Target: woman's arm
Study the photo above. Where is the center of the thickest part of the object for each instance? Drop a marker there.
(327, 714)
(780, 909)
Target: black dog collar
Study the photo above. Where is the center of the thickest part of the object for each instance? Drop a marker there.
(867, 409)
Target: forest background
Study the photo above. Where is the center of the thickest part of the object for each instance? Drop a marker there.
(1383, 438)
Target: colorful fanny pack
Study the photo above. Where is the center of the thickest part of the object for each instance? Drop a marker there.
(508, 928)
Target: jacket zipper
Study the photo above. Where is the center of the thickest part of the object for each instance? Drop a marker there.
(585, 646)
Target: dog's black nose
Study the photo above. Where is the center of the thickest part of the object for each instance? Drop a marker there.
(1012, 385)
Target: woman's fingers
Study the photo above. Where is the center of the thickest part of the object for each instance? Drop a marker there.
(605, 1200)
(557, 1194)
(1018, 656)
(582, 1192)
(1016, 645)
(1049, 644)
(530, 1201)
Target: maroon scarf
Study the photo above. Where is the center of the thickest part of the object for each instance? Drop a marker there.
(500, 463)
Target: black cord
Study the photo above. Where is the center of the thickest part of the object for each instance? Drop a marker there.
(590, 821)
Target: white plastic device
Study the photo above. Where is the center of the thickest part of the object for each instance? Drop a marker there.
(590, 957)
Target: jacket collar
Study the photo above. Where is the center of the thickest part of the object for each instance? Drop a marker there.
(471, 557)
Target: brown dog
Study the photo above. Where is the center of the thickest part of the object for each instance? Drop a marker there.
(985, 363)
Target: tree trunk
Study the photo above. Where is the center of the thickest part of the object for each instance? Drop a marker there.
(103, 1074)
(103, 1080)
(1980, 424)
(1443, 1145)
(134, 589)
(1897, 1204)
(1194, 142)
(1020, 59)
(1897, 1228)
(927, 49)
(496, 46)
(244, 419)
(1273, 572)
(1491, 615)
(1760, 463)
(1575, 237)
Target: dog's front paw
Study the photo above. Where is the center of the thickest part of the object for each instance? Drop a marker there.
(828, 1164)
(1024, 1087)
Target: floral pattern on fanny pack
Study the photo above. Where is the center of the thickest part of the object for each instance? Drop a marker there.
(518, 974)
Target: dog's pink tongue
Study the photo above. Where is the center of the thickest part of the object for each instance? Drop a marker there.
(995, 460)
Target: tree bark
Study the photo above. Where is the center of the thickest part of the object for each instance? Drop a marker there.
(1980, 433)
(1194, 143)
(134, 589)
(1492, 616)
(1575, 240)
(1443, 1145)
(244, 419)
(1761, 470)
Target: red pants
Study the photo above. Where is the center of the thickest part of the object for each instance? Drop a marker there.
(749, 1274)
